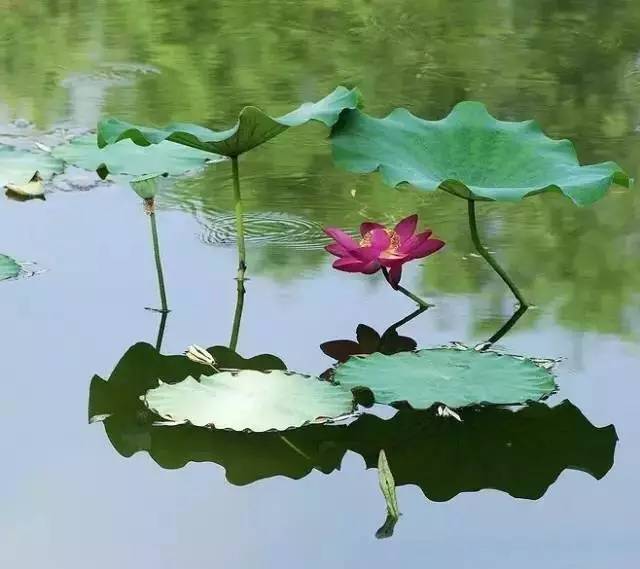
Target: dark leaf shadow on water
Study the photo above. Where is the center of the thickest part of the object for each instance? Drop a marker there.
(368, 341)
(247, 457)
(518, 450)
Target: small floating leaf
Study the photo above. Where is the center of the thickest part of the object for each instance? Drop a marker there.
(32, 189)
(254, 127)
(9, 269)
(455, 378)
(19, 167)
(470, 154)
(250, 400)
(128, 158)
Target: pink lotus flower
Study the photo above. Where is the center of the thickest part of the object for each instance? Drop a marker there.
(381, 248)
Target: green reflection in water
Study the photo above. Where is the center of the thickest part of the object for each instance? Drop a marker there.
(571, 67)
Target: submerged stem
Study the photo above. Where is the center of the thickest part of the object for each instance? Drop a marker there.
(422, 303)
(156, 252)
(237, 198)
(482, 250)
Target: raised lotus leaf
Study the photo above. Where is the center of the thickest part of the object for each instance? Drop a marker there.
(19, 167)
(452, 376)
(9, 269)
(253, 128)
(470, 154)
(128, 158)
(250, 400)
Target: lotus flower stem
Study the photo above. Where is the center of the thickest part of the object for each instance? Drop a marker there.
(237, 317)
(484, 253)
(242, 265)
(406, 319)
(422, 303)
(156, 253)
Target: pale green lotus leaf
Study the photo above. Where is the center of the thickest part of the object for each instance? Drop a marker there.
(127, 158)
(18, 167)
(250, 400)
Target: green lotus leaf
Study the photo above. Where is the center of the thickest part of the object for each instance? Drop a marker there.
(128, 158)
(9, 269)
(250, 400)
(18, 167)
(454, 377)
(470, 154)
(253, 128)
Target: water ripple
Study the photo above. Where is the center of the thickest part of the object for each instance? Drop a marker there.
(264, 228)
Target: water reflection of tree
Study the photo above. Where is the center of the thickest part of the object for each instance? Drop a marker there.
(572, 66)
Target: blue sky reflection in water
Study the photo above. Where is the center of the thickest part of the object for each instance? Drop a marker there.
(70, 499)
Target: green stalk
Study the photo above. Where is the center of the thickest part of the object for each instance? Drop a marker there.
(484, 253)
(422, 303)
(163, 323)
(405, 320)
(156, 252)
(237, 198)
(237, 317)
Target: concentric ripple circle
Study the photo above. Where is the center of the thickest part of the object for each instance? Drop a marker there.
(264, 228)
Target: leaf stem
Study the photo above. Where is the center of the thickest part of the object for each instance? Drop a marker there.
(237, 198)
(156, 253)
(422, 303)
(482, 250)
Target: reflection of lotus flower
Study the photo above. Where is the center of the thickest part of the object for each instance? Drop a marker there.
(382, 248)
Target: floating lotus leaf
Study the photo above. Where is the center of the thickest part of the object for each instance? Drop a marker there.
(250, 400)
(142, 366)
(470, 154)
(454, 377)
(253, 128)
(130, 159)
(520, 452)
(18, 167)
(9, 269)
(246, 457)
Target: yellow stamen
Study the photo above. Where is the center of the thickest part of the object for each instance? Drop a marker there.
(394, 241)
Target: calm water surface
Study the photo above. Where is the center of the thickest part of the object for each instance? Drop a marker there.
(70, 498)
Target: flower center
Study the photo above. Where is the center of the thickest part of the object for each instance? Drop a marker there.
(394, 240)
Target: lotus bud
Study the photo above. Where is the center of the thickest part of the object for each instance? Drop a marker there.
(200, 356)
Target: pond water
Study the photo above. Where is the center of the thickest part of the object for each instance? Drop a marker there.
(547, 488)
